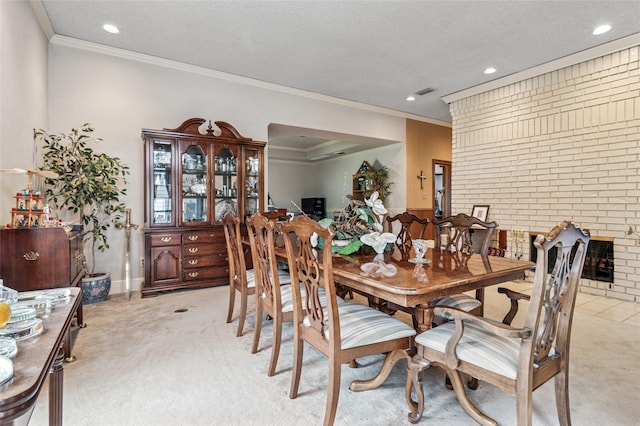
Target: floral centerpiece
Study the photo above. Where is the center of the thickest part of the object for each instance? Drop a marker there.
(361, 224)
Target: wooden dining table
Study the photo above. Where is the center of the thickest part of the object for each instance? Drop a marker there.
(416, 285)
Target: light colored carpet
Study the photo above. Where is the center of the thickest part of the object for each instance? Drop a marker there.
(142, 363)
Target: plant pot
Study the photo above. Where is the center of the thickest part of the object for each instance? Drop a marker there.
(95, 288)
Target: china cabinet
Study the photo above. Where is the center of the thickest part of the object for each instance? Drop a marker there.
(192, 179)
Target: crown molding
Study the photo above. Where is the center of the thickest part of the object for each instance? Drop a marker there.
(42, 17)
(180, 66)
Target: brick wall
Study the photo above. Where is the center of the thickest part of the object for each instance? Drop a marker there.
(562, 145)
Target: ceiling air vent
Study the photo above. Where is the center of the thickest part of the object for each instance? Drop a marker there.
(425, 91)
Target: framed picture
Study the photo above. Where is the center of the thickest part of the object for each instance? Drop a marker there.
(480, 212)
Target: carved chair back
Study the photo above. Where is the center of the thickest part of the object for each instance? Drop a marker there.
(237, 265)
(454, 232)
(411, 227)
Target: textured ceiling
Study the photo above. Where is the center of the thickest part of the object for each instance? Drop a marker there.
(372, 52)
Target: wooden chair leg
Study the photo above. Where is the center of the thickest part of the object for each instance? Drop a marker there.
(333, 392)
(298, 351)
(257, 329)
(562, 397)
(243, 313)
(232, 298)
(275, 345)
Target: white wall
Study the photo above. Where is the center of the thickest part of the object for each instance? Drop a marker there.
(562, 145)
(23, 96)
(122, 95)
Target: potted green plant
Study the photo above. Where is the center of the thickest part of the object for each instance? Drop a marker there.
(89, 184)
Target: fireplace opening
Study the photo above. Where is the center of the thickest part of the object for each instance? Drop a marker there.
(598, 264)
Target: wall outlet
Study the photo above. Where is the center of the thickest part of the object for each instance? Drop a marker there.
(142, 262)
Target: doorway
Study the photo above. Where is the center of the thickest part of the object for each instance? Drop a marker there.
(441, 188)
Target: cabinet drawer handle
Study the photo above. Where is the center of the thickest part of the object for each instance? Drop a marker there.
(193, 262)
(193, 250)
(193, 274)
(31, 256)
(165, 239)
(193, 237)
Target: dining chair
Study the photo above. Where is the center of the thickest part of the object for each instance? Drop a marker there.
(340, 331)
(241, 279)
(411, 227)
(516, 360)
(272, 289)
(275, 215)
(453, 233)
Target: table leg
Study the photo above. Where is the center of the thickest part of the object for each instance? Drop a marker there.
(55, 389)
(389, 361)
(423, 316)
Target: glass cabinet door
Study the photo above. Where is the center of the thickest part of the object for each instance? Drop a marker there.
(226, 183)
(194, 186)
(253, 183)
(162, 185)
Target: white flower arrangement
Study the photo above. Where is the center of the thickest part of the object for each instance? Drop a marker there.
(361, 224)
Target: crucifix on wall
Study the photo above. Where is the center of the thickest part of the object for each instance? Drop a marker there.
(422, 177)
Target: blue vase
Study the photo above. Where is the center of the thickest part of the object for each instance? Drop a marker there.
(95, 288)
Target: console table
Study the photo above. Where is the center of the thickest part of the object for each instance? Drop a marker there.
(38, 358)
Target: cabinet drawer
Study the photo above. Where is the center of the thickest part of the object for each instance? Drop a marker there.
(204, 274)
(203, 237)
(200, 250)
(158, 240)
(204, 261)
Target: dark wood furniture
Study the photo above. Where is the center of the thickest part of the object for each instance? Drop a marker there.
(38, 358)
(192, 179)
(516, 360)
(42, 258)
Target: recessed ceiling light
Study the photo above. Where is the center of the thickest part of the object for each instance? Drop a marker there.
(411, 98)
(601, 29)
(111, 28)
(490, 70)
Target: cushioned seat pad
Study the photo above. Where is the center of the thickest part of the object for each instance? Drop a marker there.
(459, 301)
(477, 346)
(361, 325)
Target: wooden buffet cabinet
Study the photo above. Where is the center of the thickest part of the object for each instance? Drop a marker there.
(192, 179)
(41, 258)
